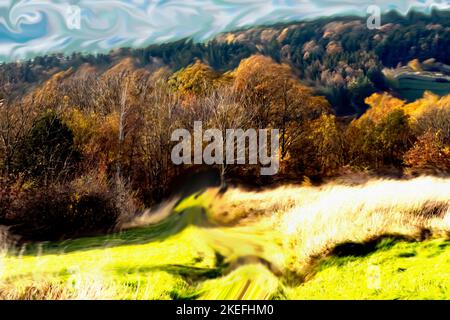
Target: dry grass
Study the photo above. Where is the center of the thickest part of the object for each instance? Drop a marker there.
(312, 221)
(412, 209)
(76, 288)
(34, 290)
(239, 207)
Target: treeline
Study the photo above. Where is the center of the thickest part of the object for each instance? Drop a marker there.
(88, 149)
(339, 57)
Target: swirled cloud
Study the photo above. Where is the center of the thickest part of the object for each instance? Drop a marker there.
(36, 27)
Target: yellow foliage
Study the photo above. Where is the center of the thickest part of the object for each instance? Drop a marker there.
(83, 125)
(429, 100)
(95, 135)
(327, 140)
(381, 104)
(196, 79)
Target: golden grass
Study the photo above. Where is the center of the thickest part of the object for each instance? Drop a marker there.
(237, 206)
(311, 221)
(34, 290)
(411, 209)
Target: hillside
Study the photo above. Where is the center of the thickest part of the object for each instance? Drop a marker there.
(119, 177)
(337, 56)
(295, 242)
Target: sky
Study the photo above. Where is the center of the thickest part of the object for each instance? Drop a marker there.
(35, 27)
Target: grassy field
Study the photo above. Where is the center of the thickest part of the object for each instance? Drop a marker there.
(380, 240)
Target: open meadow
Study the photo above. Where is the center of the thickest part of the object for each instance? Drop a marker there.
(383, 239)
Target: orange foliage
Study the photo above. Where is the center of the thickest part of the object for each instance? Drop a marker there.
(429, 152)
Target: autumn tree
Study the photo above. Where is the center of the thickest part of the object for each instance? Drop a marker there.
(431, 125)
(277, 99)
(327, 139)
(47, 151)
(16, 119)
(432, 113)
(393, 137)
(374, 144)
(263, 83)
(95, 136)
(119, 96)
(429, 152)
(381, 135)
(160, 114)
(196, 80)
(228, 110)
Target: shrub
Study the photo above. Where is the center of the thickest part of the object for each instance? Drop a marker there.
(436, 118)
(4, 201)
(60, 211)
(9, 193)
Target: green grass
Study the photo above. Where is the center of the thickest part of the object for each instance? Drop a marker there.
(396, 270)
(184, 257)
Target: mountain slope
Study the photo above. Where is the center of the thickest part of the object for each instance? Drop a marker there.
(339, 56)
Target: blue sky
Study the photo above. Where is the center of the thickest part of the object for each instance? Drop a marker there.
(35, 27)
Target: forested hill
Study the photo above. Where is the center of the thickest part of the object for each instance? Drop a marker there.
(340, 57)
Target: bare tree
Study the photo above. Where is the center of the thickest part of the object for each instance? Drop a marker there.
(114, 96)
(160, 113)
(228, 110)
(16, 119)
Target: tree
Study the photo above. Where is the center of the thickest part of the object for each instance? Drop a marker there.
(393, 137)
(16, 118)
(227, 110)
(196, 80)
(276, 99)
(380, 104)
(431, 115)
(160, 114)
(47, 151)
(327, 139)
(120, 95)
(360, 141)
(381, 142)
(260, 80)
(429, 151)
